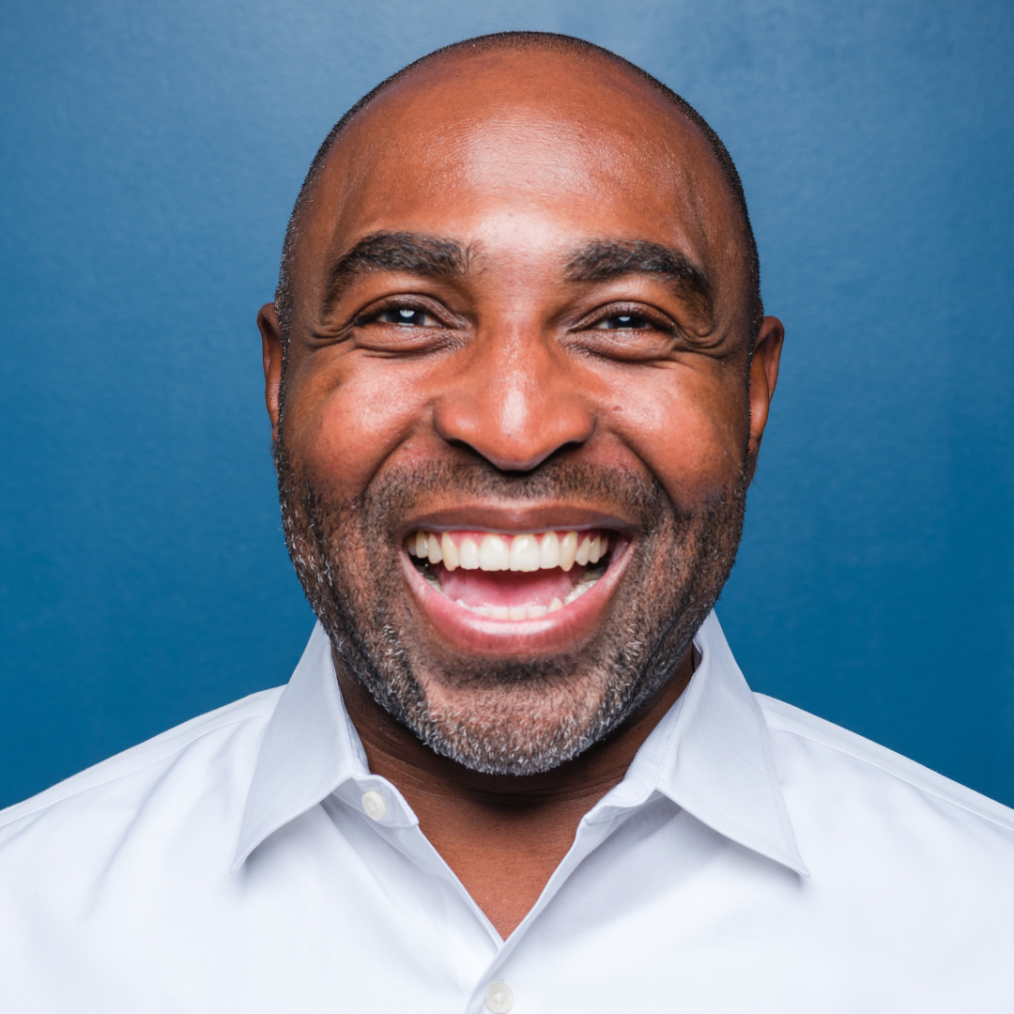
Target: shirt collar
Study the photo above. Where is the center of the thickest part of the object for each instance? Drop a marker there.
(710, 755)
(310, 747)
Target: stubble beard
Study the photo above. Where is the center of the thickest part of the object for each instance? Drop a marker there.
(509, 716)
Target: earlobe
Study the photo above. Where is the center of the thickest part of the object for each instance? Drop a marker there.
(763, 377)
(271, 350)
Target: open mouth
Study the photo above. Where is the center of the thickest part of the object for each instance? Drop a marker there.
(512, 577)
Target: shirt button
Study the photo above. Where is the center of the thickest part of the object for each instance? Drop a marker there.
(499, 998)
(376, 807)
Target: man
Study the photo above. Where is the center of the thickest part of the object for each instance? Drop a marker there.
(518, 374)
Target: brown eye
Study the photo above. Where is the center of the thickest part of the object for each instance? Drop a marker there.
(407, 316)
(623, 322)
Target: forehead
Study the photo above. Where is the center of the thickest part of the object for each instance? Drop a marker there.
(557, 147)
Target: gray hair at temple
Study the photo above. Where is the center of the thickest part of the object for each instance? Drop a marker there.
(521, 41)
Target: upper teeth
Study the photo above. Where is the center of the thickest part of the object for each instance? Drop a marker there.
(509, 552)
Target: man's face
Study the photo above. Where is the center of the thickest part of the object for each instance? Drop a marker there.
(517, 426)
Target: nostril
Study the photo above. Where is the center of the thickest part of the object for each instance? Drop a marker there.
(510, 466)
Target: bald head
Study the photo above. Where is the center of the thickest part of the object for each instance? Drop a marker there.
(498, 76)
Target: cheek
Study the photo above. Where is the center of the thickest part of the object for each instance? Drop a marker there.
(689, 430)
(343, 424)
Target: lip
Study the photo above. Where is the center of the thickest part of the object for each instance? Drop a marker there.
(563, 629)
(507, 521)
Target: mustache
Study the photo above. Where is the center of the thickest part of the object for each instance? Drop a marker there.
(636, 495)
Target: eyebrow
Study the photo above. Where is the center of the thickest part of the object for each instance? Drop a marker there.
(426, 256)
(445, 260)
(606, 260)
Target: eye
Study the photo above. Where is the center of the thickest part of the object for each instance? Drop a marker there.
(408, 316)
(623, 322)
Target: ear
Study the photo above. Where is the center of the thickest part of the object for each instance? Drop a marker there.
(767, 353)
(271, 347)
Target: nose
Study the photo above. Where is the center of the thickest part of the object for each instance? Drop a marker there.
(514, 402)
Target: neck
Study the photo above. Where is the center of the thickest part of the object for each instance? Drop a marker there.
(502, 835)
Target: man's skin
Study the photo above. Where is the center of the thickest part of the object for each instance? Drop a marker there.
(522, 158)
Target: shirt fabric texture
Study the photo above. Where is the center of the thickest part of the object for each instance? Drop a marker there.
(754, 859)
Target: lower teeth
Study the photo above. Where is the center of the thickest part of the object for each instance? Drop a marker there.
(516, 613)
(513, 612)
(531, 612)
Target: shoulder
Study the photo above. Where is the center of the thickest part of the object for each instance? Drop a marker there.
(220, 745)
(857, 803)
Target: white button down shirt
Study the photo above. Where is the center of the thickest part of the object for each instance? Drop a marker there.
(754, 859)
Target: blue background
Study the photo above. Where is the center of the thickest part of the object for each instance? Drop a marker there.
(151, 153)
